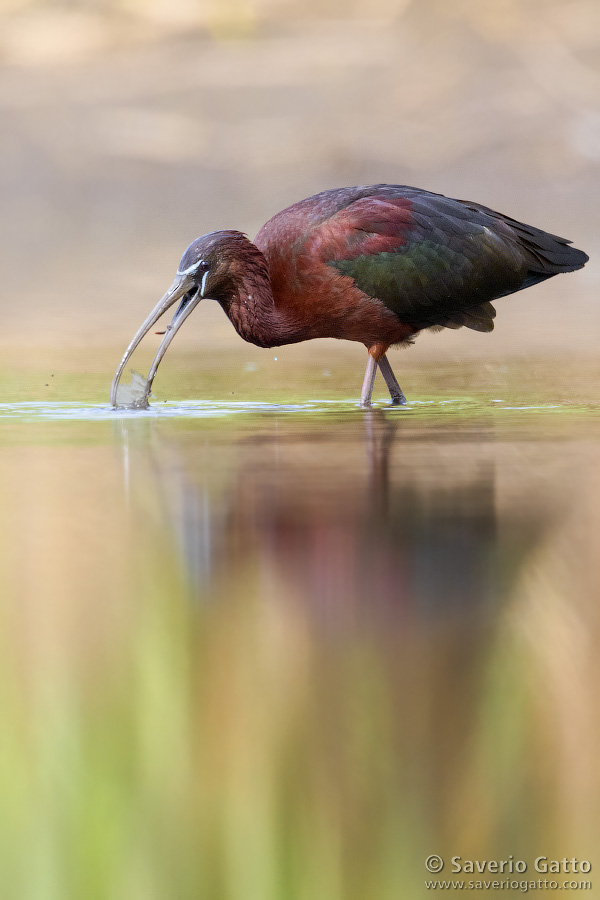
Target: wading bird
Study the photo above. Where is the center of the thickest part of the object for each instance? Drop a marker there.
(371, 264)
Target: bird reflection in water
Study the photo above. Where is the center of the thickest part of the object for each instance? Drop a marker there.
(337, 524)
(349, 585)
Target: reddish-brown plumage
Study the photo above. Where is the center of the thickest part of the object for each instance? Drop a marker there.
(370, 264)
(315, 301)
(321, 302)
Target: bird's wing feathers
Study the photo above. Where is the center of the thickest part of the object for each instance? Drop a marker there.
(437, 261)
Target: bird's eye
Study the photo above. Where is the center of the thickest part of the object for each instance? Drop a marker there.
(197, 268)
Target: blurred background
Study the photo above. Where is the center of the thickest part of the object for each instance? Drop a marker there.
(256, 643)
(131, 127)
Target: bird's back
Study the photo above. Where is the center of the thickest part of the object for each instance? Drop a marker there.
(429, 259)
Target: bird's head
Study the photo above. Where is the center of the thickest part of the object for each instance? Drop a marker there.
(210, 268)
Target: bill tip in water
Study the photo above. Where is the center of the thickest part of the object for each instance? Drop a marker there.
(134, 395)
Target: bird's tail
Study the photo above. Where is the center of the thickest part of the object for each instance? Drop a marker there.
(548, 253)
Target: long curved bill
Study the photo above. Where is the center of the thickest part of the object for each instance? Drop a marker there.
(180, 287)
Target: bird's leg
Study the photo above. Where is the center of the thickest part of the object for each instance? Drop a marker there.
(367, 388)
(398, 398)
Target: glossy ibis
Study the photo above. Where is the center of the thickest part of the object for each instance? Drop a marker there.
(371, 264)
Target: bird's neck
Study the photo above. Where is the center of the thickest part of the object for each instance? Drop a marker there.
(251, 305)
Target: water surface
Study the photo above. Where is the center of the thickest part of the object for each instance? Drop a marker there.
(290, 650)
